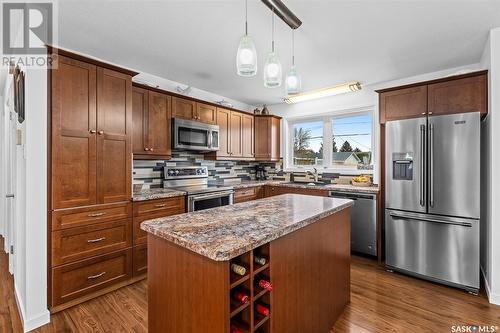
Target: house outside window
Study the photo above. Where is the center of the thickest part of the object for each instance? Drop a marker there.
(350, 148)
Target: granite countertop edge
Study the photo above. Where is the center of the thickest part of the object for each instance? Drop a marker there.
(237, 251)
(157, 193)
(334, 187)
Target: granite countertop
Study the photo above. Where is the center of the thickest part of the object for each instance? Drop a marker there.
(156, 193)
(338, 187)
(226, 232)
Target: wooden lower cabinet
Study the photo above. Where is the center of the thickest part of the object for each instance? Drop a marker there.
(277, 190)
(248, 194)
(147, 210)
(82, 278)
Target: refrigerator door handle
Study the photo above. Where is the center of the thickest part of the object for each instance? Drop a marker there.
(431, 164)
(422, 165)
(430, 219)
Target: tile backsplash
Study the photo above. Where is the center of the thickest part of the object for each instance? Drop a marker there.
(150, 172)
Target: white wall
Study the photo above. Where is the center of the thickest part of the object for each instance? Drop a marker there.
(365, 99)
(490, 180)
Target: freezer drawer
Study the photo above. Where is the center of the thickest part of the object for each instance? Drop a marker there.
(363, 221)
(434, 247)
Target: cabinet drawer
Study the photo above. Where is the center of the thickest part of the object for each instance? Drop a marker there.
(78, 217)
(87, 276)
(168, 206)
(140, 260)
(73, 244)
(247, 194)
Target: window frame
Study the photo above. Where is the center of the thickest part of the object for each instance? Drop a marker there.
(327, 120)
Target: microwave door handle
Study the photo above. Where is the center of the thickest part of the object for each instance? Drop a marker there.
(210, 139)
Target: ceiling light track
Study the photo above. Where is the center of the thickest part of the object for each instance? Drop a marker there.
(283, 12)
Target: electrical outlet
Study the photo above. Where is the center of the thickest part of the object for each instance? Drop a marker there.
(19, 137)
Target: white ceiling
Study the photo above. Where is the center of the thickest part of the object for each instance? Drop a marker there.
(195, 42)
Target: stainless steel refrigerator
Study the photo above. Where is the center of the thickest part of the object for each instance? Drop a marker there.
(432, 198)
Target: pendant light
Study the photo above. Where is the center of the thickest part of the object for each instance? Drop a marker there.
(293, 82)
(272, 68)
(246, 58)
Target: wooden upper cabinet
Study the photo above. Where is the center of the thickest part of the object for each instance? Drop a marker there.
(468, 94)
(159, 128)
(183, 108)
(267, 138)
(223, 120)
(235, 126)
(206, 113)
(403, 104)
(139, 120)
(247, 136)
(74, 149)
(114, 139)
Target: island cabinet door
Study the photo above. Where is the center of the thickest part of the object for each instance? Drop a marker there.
(114, 129)
(312, 267)
(197, 297)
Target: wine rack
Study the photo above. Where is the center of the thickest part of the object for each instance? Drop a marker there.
(245, 316)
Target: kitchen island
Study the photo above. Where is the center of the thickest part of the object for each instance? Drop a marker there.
(298, 243)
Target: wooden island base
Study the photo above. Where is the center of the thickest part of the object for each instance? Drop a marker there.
(309, 269)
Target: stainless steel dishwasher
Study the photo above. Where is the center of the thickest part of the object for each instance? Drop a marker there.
(363, 221)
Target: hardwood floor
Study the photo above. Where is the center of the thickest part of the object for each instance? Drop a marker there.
(380, 302)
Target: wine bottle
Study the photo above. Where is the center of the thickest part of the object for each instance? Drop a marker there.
(259, 260)
(241, 297)
(264, 284)
(261, 309)
(236, 329)
(240, 270)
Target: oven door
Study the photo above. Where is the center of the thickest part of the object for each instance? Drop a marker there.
(209, 200)
(192, 135)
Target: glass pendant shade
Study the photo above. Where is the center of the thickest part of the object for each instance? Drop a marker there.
(246, 58)
(293, 82)
(272, 71)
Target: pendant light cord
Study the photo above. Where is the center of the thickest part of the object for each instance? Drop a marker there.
(272, 33)
(246, 17)
(293, 47)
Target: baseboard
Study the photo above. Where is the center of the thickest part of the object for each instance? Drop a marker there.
(492, 297)
(32, 323)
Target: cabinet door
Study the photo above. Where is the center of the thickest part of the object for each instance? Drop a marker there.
(235, 127)
(262, 138)
(223, 119)
(459, 96)
(275, 139)
(159, 116)
(73, 89)
(206, 113)
(183, 108)
(114, 128)
(403, 104)
(247, 136)
(139, 120)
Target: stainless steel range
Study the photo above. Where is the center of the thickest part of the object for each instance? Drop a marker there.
(194, 181)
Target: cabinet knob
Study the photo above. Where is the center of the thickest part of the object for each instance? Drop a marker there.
(92, 131)
(146, 149)
(151, 149)
(100, 132)
(424, 113)
(430, 112)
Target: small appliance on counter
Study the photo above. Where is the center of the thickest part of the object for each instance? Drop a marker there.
(260, 173)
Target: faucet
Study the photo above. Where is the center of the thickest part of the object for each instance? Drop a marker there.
(315, 174)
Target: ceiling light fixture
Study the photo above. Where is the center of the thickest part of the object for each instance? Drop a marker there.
(246, 58)
(324, 92)
(272, 69)
(283, 13)
(292, 81)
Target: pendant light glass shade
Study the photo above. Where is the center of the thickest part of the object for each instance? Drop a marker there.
(246, 58)
(293, 82)
(273, 74)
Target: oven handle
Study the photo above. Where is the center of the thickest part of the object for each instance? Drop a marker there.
(210, 196)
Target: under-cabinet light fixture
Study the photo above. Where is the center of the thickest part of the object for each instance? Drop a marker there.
(323, 92)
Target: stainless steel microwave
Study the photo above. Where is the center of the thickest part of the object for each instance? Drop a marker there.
(193, 135)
